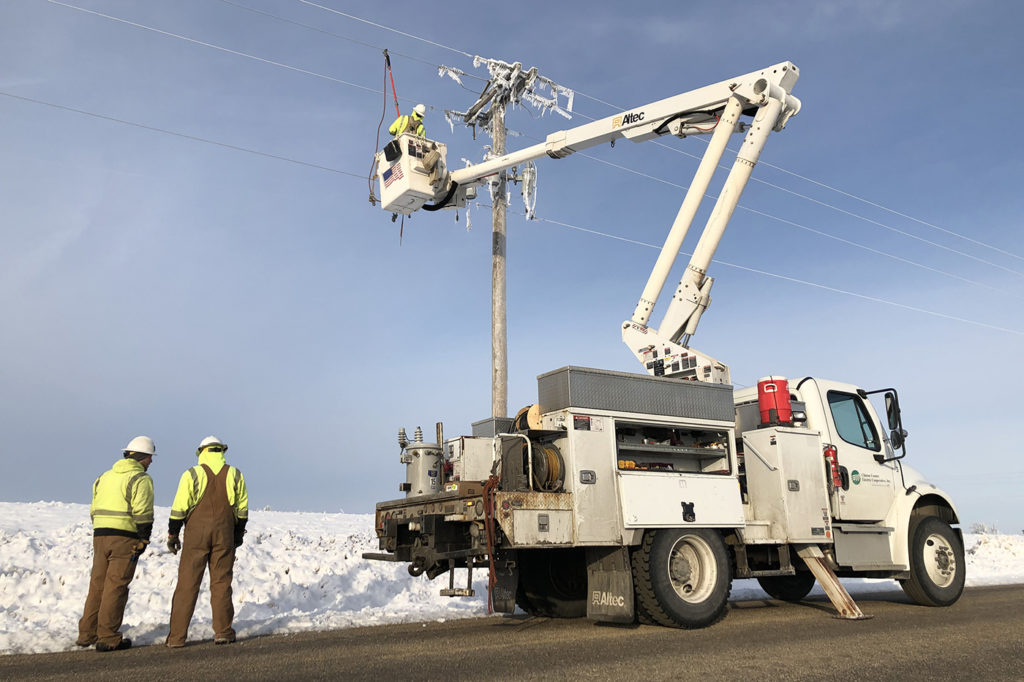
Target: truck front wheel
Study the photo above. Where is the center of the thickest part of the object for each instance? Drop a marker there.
(682, 577)
(937, 567)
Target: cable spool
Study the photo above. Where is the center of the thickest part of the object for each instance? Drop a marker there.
(548, 468)
(527, 418)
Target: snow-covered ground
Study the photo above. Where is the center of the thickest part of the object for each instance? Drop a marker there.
(296, 571)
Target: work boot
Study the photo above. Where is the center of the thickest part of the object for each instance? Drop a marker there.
(224, 640)
(125, 643)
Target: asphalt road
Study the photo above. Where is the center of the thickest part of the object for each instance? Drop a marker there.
(981, 637)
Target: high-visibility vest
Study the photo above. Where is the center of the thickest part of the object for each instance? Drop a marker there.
(192, 485)
(122, 498)
(407, 124)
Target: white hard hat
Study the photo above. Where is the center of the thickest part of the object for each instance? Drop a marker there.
(420, 109)
(211, 440)
(140, 444)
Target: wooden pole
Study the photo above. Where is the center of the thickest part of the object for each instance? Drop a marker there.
(499, 335)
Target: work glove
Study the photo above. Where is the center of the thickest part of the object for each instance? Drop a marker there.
(173, 544)
(239, 534)
(139, 547)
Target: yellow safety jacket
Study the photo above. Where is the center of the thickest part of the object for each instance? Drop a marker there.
(407, 124)
(122, 500)
(192, 485)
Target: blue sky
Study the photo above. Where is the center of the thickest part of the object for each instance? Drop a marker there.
(156, 278)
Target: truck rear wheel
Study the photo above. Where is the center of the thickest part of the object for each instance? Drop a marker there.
(937, 567)
(787, 587)
(682, 577)
(552, 582)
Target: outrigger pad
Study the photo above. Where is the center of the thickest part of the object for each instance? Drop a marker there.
(392, 150)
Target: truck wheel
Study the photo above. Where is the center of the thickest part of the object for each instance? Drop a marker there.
(787, 587)
(552, 583)
(937, 566)
(682, 577)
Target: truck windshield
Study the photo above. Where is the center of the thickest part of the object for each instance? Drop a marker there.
(852, 421)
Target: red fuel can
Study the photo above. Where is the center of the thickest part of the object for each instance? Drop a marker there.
(773, 401)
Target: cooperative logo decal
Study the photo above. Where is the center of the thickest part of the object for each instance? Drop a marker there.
(855, 477)
(627, 119)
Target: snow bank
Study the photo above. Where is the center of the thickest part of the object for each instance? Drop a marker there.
(295, 572)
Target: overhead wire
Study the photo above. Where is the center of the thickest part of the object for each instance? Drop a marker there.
(864, 218)
(213, 46)
(339, 36)
(787, 278)
(539, 218)
(340, 81)
(462, 52)
(187, 136)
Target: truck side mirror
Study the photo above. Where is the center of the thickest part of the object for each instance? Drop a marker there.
(897, 437)
(892, 412)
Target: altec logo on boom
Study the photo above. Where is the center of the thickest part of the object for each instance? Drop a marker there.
(627, 119)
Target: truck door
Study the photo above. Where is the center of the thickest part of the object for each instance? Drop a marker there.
(868, 484)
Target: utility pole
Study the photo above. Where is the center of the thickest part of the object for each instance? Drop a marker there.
(508, 84)
(499, 332)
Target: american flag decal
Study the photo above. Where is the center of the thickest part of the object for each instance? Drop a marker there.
(392, 174)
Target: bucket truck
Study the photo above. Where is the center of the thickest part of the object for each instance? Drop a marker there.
(625, 497)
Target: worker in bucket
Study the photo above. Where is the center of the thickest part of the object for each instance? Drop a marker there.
(122, 521)
(213, 505)
(410, 124)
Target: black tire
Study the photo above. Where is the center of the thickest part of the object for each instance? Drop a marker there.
(552, 583)
(937, 566)
(787, 587)
(682, 577)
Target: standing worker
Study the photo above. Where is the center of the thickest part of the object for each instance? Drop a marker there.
(122, 521)
(213, 505)
(410, 124)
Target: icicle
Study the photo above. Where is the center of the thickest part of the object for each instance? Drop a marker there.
(451, 72)
(529, 188)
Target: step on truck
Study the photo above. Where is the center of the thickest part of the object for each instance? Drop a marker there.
(641, 497)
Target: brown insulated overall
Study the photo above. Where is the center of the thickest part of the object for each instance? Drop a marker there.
(113, 567)
(209, 541)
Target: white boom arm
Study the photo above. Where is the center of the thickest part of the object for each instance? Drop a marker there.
(416, 176)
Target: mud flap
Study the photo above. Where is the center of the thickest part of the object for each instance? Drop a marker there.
(506, 573)
(609, 585)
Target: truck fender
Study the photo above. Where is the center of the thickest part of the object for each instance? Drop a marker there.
(918, 501)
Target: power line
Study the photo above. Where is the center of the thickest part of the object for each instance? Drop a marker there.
(387, 28)
(547, 220)
(361, 87)
(339, 36)
(425, 40)
(796, 280)
(214, 47)
(811, 229)
(860, 217)
(182, 135)
(895, 212)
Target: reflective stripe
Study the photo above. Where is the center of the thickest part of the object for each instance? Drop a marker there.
(129, 492)
(110, 512)
(195, 484)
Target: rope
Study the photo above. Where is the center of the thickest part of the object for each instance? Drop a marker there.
(384, 111)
